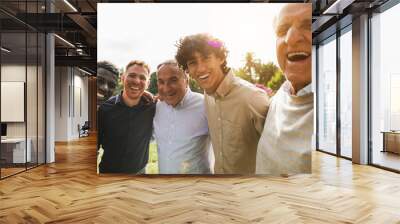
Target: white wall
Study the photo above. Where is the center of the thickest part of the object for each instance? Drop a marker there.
(61, 103)
(71, 93)
(13, 73)
(33, 126)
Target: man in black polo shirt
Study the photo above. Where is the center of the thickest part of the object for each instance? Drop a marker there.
(125, 124)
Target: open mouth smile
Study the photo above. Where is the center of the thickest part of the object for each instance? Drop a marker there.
(297, 56)
(203, 77)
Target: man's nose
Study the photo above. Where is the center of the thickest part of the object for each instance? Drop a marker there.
(293, 36)
(166, 88)
(201, 67)
(104, 86)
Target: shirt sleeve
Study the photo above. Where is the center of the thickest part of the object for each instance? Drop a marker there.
(259, 104)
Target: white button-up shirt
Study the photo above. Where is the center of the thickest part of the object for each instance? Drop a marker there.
(181, 133)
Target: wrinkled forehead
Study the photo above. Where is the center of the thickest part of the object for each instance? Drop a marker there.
(169, 70)
(294, 12)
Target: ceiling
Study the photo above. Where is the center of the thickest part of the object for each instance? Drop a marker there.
(75, 23)
(332, 15)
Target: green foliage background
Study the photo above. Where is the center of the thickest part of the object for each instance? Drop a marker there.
(256, 72)
(152, 165)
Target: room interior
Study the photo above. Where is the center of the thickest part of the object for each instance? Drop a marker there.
(48, 90)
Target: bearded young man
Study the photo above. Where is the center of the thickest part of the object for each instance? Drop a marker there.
(125, 124)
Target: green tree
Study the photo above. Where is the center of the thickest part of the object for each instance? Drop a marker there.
(276, 81)
(266, 72)
(194, 86)
(250, 67)
(119, 87)
(153, 84)
(242, 73)
(256, 72)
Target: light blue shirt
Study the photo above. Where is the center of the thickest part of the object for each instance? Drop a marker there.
(182, 137)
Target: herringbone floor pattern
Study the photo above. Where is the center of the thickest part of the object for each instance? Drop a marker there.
(69, 191)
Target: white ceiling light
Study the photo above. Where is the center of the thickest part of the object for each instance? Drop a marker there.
(65, 41)
(84, 71)
(71, 6)
(5, 49)
(337, 7)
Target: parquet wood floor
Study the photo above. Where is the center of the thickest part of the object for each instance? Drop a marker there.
(69, 191)
(9, 171)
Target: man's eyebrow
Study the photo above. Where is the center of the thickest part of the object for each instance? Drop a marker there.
(134, 73)
(138, 74)
(281, 26)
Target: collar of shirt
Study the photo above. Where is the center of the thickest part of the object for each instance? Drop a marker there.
(184, 99)
(120, 101)
(226, 85)
(304, 91)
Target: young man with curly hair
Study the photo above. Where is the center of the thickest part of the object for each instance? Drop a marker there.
(235, 108)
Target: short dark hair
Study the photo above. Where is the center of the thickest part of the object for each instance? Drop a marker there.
(109, 67)
(203, 43)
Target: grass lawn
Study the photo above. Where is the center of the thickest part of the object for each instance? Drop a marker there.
(152, 165)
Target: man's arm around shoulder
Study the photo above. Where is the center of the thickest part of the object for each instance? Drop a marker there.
(258, 103)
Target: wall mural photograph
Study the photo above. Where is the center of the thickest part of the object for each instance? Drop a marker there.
(213, 93)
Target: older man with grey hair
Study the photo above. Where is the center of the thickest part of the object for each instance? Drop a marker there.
(180, 124)
(285, 144)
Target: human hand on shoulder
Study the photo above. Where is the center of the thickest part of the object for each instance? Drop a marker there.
(149, 97)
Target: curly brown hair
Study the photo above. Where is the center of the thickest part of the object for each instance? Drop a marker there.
(204, 44)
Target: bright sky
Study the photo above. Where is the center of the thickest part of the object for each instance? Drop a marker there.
(149, 31)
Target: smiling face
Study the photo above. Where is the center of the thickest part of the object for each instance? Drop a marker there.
(106, 83)
(206, 70)
(135, 81)
(171, 84)
(293, 43)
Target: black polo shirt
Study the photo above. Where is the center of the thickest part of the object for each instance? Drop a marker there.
(124, 133)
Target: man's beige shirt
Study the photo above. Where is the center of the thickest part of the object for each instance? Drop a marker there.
(236, 114)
